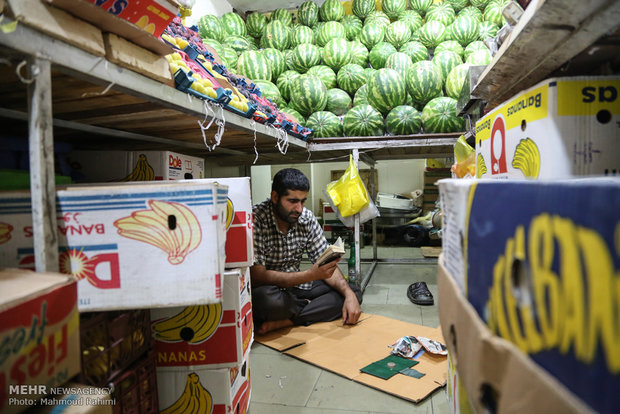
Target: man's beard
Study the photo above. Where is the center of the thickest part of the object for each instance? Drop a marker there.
(285, 215)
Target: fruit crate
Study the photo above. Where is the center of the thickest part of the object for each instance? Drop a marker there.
(135, 390)
(183, 81)
(110, 342)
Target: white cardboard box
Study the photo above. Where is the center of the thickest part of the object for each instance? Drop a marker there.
(140, 245)
(168, 165)
(561, 127)
(226, 328)
(216, 391)
(239, 223)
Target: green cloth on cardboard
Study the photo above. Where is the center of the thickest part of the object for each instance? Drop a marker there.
(412, 372)
(383, 368)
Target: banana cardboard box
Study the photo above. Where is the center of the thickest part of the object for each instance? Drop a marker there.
(134, 245)
(543, 272)
(199, 390)
(239, 222)
(561, 127)
(209, 336)
(39, 336)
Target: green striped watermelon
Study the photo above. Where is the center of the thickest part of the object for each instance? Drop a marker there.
(254, 65)
(308, 95)
(338, 101)
(304, 57)
(415, 50)
(403, 120)
(255, 24)
(324, 124)
(230, 57)
(465, 30)
(412, 18)
(285, 83)
(331, 10)
(400, 62)
(325, 73)
(288, 57)
(393, 7)
(276, 35)
(471, 11)
(480, 4)
(479, 57)
(371, 35)
(238, 43)
(424, 82)
(369, 72)
(379, 54)
(473, 46)
(457, 5)
(487, 29)
(456, 79)
(415, 36)
(330, 30)
(362, 8)
(440, 12)
(397, 33)
(283, 15)
(352, 26)
(276, 60)
(446, 61)
(493, 13)
(217, 46)
(450, 45)
(377, 17)
(439, 115)
(270, 91)
(337, 53)
(308, 13)
(359, 53)
(351, 77)
(386, 90)
(233, 24)
(363, 121)
(253, 42)
(302, 34)
(209, 27)
(432, 33)
(361, 96)
(291, 112)
(420, 6)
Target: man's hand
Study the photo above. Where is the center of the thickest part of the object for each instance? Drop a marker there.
(351, 310)
(325, 271)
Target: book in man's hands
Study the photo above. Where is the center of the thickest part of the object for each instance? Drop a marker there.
(332, 253)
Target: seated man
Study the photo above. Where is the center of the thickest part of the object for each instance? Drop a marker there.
(282, 295)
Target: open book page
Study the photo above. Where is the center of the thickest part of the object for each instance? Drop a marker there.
(333, 252)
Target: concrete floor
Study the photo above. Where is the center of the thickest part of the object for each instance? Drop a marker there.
(284, 385)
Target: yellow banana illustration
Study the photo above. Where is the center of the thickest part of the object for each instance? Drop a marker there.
(170, 226)
(527, 158)
(481, 167)
(194, 324)
(5, 232)
(194, 400)
(230, 212)
(142, 171)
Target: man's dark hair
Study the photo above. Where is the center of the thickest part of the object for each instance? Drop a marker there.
(289, 179)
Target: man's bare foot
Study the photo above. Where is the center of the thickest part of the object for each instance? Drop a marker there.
(273, 325)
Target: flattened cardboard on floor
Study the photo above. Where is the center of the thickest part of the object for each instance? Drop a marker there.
(344, 350)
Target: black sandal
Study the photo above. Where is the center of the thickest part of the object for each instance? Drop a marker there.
(419, 294)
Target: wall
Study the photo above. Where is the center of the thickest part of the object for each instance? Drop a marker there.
(202, 7)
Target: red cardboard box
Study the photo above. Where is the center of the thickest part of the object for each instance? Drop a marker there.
(39, 336)
(151, 15)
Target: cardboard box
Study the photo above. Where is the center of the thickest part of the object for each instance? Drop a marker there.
(497, 376)
(228, 329)
(168, 165)
(39, 335)
(239, 222)
(152, 16)
(561, 127)
(137, 59)
(541, 271)
(139, 245)
(75, 398)
(216, 391)
(458, 400)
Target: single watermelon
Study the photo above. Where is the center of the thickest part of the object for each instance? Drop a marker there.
(291, 112)
(338, 101)
(255, 24)
(420, 6)
(210, 27)
(337, 53)
(362, 8)
(450, 45)
(324, 124)
(270, 91)
(308, 13)
(479, 4)
(325, 73)
(386, 90)
(233, 24)
(440, 12)
(493, 13)
(363, 121)
(276, 35)
(415, 50)
(439, 115)
(424, 82)
(403, 120)
(352, 26)
(412, 18)
(330, 30)
(473, 46)
(276, 60)
(359, 53)
(397, 33)
(487, 29)
(254, 65)
(371, 34)
(377, 17)
(432, 33)
(465, 30)
(446, 61)
(231, 57)
(457, 5)
(351, 77)
(400, 62)
(456, 80)
(285, 83)
(304, 57)
(471, 11)
(331, 10)
(379, 54)
(238, 44)
(393, 8)
(283, 15)
(308, 95)
(479, 57)
(302, 34)
(361, 96)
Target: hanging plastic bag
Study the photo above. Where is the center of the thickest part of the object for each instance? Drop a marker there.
(348, 194)
(465, 159)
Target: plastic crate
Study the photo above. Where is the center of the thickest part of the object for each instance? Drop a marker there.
(110, 342)
(135, 390)
(184, 80)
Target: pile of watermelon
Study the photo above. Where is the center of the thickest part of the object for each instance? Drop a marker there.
(397, 69)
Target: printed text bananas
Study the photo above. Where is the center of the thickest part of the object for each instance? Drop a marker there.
(527, 158)
(194, 400)
(142, 171)
(194, 324)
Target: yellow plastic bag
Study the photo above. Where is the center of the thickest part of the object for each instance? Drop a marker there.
(465, 157)
(348, 194)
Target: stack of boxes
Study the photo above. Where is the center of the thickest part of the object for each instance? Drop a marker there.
(435, 170)
(530, 267)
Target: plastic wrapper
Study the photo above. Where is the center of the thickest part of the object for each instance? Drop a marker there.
(409, 346)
